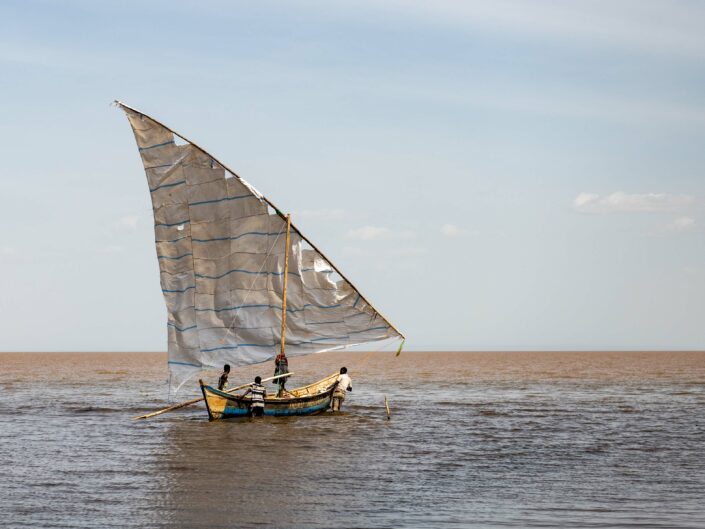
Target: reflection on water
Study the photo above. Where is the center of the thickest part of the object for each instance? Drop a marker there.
(485, 439)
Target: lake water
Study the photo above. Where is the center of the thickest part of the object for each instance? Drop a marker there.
(475, 440)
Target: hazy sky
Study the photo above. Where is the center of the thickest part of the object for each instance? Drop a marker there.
(492, 175)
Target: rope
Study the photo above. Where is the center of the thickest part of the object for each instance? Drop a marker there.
(369, 354)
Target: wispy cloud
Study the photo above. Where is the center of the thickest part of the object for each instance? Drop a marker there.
(320, 214)
(354, 251)
(650, 27)
(128, 222)
(385, 253)
(620, 202)
(7, 250)
(681, 224)
(452, 231)
(371, 233)
(113, 249)
(409, 251)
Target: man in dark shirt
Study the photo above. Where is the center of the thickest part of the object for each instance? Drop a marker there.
(281, 367)
(223, 380)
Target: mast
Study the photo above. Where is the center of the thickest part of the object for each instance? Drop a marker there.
(286, 278)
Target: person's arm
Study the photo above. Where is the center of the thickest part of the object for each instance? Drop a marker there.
(349, 388)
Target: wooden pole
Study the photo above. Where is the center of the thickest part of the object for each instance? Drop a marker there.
(386, 405)
(194, 401)
(123, 105)
(282, 344)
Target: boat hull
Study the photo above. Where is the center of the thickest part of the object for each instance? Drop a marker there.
(307, 400)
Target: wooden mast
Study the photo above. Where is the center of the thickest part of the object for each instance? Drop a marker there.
(282, 345)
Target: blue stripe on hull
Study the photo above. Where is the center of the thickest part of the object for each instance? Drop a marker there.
(274, 412)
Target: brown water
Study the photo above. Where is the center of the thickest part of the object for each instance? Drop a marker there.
(476, 439)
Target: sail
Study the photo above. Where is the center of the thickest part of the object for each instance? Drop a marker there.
(221, 248)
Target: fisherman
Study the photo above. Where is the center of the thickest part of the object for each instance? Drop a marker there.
(281, 367)
(258, 394)
(344, 383)
(223, 380)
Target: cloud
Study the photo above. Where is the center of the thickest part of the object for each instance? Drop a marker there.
(451, 231)
(629, 25)
(7, 250)
(320, 214)
(354, 251)
(412, 251)
(681, 224)
(128, 222)
(111, 249)
(371, 233)
(620, 202)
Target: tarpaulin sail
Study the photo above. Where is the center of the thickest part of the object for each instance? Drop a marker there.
(220, 246)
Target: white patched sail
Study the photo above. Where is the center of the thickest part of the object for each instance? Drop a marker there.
(221, 246)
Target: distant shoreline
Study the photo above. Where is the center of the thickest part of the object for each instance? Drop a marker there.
(405, 352)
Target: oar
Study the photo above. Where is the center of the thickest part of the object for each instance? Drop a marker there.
(194, 401)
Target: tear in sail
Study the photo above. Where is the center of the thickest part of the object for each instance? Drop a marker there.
(221, 247)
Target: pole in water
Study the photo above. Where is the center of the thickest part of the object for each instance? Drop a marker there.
(386, 405)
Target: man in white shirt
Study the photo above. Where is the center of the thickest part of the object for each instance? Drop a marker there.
(344, 384)
(258, 394)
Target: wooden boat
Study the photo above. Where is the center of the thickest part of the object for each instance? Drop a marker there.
(306, 400)
(241, 283)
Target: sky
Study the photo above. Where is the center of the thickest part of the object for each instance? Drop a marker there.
(492, 175)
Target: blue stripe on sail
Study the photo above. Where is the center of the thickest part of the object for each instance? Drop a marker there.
(173, 258)
(237, 346)
(237, 307)
(179, 328)
(157, 145)
(346, 337)
(358, 299)
(167, 185)
(184, 364)
(322, 322)
(220, 200)
(261, 233)
(320, 271)
(159, 166)
(322, 306)
(166, 291)
(202, 276)
(328, 338)
(174, 224)
(219, 348)
(176, 240)
(371, 329)
(265, 305)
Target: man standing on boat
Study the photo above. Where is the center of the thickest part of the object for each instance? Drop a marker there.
(223, 380)
(344, 384)
(258, 393)
(281, 367)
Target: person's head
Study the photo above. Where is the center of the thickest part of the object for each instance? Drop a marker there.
(226, 368)
(343, 370)
(258, 380)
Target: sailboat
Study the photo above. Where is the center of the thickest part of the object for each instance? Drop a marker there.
(241, 283)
